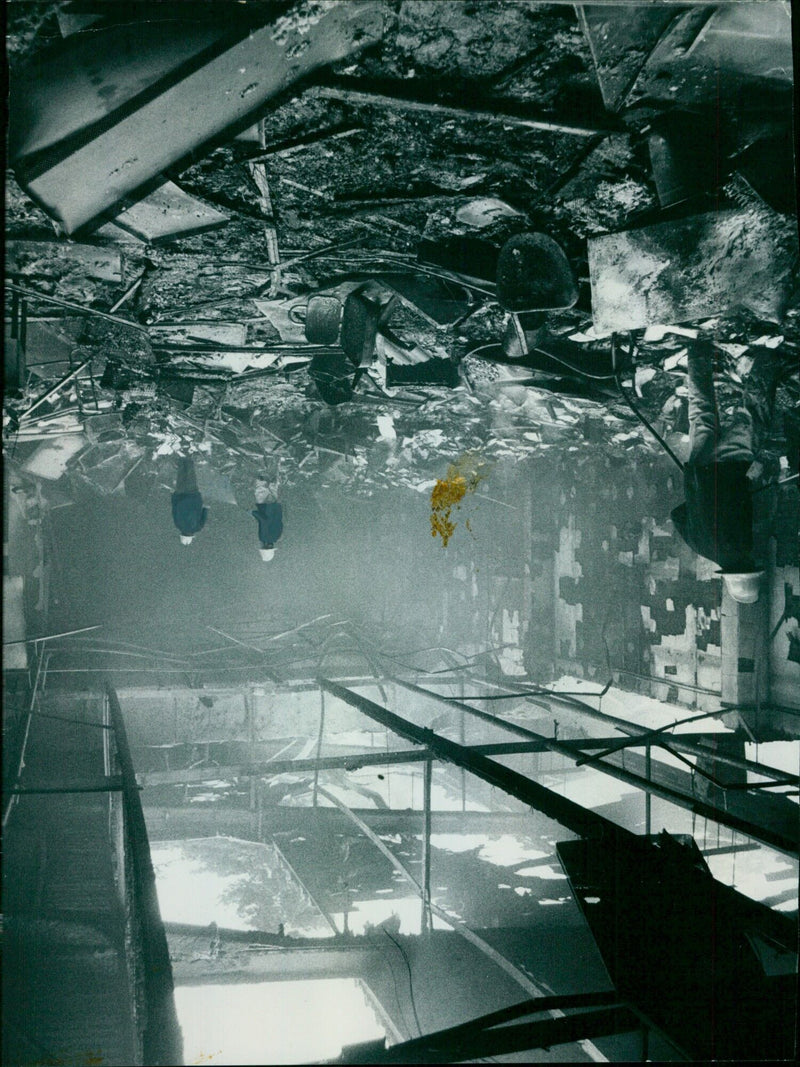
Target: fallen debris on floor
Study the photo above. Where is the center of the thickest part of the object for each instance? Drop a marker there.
(50, 460)
(55, 259)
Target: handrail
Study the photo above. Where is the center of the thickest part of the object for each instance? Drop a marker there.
(12, 785)
(162, 1039)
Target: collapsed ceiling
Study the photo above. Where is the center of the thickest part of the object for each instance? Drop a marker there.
(402, 150)
(396, 258)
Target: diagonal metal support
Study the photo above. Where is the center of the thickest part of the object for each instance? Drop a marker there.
(461, 928)
(582, 821)
(520, 1037)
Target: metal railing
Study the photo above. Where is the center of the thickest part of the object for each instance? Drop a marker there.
(158, 1035)
(162, 1042)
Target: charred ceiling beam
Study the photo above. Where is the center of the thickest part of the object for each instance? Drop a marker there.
(505, 114)
(519, 1037)
(703, 746)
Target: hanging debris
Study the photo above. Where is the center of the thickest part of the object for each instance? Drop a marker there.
(704, 265)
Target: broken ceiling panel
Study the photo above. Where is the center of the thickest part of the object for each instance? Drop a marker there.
(621, 37)
(50, 460)
(71, 87)
(79, 178)
(169, 212)
(695, 267)
(712, 55)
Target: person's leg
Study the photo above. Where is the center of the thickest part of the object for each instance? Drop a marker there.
(746, 414)
(187, 480)
(268, 484)
(735, 442)
(264, 491)
(760, 387)
(703, 420)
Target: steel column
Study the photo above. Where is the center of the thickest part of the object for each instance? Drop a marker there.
(319, 743)
(426, 849)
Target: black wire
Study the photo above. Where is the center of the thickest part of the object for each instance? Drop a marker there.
(644, 422)
(542, 352)
(571, 367)
(402, 952)
(397, 990)
(633, 407)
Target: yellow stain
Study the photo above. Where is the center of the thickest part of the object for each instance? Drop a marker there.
(464, 476)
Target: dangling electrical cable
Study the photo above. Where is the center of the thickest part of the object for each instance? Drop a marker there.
(402, 952)
(603, 377)
(633, 407)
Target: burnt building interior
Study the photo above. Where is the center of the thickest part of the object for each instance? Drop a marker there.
(366, 697)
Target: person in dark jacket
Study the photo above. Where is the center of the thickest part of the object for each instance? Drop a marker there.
(188, 512)
(716, 520)
(269, 515)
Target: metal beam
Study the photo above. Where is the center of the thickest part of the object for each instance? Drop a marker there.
(269, 768)
(519, 1037)
(482, 1023)
(112, 784)
(305, 686)
(582, 821)
(52, 637)
(505, 117)
(176, 821)
(350, 762)
(54, 389)
(339, 958)
(685, 743)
